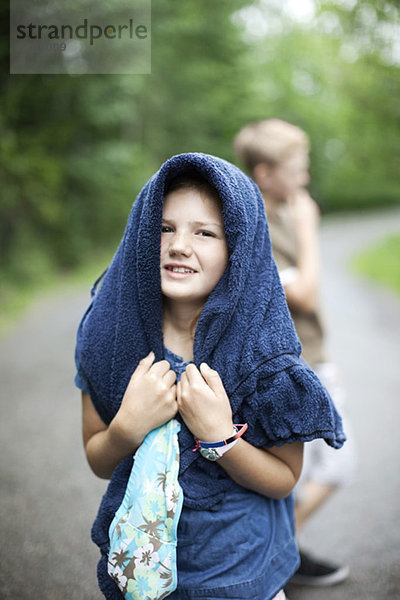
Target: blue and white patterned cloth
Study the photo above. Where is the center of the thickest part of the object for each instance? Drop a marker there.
(143, 533)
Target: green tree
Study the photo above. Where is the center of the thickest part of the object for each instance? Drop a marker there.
(75, 150)
(336, 74)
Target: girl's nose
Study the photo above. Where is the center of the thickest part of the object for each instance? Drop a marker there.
(180, 244)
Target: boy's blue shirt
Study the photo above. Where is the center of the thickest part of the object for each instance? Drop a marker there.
(245, 332)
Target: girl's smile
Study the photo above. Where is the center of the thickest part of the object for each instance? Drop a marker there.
(194, 253)
(179, 271)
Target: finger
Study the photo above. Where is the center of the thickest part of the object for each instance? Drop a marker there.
(183, 382)
(212, 378)
(193, 374)
(169, 378)
(174, 409)
(181, 387)
(145, 364)
(174, 399)
(160, 368)
(178, 391)
(173, 393)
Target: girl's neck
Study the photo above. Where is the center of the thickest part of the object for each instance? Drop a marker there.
(179, 324)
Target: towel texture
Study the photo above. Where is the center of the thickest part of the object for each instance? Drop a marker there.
(245, 332)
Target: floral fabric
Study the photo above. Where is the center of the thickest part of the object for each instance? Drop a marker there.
(143, 533)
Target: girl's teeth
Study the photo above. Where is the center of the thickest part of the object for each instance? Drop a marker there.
(181, 270)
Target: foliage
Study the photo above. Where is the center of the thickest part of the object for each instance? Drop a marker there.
(75, 150)
(382, 262)
(336, 76)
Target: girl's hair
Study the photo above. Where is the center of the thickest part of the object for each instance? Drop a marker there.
(192, 179)
(268, 141)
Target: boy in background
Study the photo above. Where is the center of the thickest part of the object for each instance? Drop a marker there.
(276, 154)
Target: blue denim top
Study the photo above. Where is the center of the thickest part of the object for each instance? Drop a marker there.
(242, 548)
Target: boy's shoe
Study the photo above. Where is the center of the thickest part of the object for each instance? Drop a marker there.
(315, 573)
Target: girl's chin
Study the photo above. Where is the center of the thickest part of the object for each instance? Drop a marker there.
(179, 299)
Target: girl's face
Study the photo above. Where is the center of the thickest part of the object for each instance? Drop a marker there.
(194, 252)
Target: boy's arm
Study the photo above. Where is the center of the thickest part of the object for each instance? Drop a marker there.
(302, 291)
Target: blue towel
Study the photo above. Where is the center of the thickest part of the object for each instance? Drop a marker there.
(245, 332)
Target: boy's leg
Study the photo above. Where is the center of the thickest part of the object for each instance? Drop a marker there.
(313, 495)
(324, 468)
(324, 471)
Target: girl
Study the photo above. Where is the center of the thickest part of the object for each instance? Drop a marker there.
(193, 292)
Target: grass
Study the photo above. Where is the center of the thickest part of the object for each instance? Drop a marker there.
(381, 263)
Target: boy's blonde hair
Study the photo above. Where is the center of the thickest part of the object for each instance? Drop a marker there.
(268, 141)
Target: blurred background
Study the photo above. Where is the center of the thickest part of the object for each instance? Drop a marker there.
(74, 152)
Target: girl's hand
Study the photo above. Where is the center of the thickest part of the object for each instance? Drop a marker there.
(204, 404)
(148, 402)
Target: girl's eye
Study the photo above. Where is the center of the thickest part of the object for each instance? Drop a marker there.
(166, 229)
(206, 233)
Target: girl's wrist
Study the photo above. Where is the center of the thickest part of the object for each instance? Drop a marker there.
(215, 450)
(216, 435)
(124, 440)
